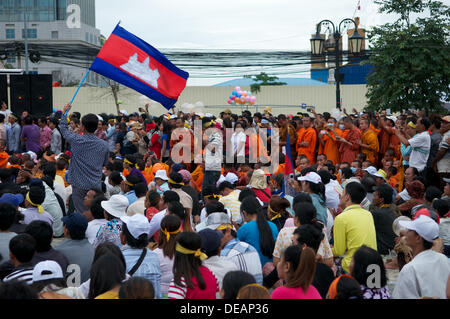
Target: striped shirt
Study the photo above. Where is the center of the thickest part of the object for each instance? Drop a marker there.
(183, 292)
(232, 203)
(89, 155)
(245, 256)
(23, 274)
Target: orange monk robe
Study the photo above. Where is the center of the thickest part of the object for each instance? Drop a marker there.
(349, 152)
(149, 171)
(376, 130)
(257, 148)
(4, 158)
(280, 169)
(310, 136)
(197, 178)
(125, 172)
(394, 143)
(147, 176)
(331, 147)
(370, 138)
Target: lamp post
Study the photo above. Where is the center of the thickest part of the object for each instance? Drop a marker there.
(317, 48)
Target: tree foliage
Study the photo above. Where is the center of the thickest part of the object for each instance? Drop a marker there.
(412, 60)
(262, 79)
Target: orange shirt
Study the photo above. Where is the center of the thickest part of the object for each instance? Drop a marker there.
(331, 147)
(393, 182)
(370, 138)
(309, 135)
(4, 158)
(197, 178)
(280, 169)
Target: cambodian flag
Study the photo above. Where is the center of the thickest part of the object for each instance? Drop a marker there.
(129, 60)
(289, 163)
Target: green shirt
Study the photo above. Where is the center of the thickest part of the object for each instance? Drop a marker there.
(353, 228)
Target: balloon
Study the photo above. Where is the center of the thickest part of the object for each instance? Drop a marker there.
(233, 102)
(233, 97)
(229, 101)
(242, 102)
(238, 88)
(244, 94)
(234, 93)
(253, 99)
(249, 93)
(252, 103)
(239, 95)
(237, 100)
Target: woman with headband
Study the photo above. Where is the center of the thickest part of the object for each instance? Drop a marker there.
(33, 202)
(130, 164)
(191, 280)
(170, 228)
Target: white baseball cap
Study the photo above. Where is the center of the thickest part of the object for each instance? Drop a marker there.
(117, 205)
(374, 172)
(311, 177)
(232, 178)
(220, 180)
(426, 227)
(137, 225)
(162, 174)
(46, 270)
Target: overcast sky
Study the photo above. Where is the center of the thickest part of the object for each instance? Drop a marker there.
(230, 24)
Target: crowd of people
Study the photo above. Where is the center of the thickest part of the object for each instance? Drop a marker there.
(369, 193)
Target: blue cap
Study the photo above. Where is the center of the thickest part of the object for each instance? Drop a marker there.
(13, 199)
(75, 223)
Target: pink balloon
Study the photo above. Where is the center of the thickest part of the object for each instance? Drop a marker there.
(229, 101)
(237, 88)
(233, 97)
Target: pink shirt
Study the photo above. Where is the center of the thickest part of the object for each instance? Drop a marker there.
(295, 293)
(182, 292)
(46, 137)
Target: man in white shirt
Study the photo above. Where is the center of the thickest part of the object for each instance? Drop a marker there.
(420, 143)
(427, 273)
(214, 152)
(97, 212)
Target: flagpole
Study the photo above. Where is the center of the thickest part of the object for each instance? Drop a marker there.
(78, 89)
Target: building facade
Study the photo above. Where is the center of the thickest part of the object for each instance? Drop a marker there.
(64, 36)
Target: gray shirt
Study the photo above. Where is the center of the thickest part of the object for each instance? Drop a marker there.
(4, 245)
(78, 252)
(56, 144)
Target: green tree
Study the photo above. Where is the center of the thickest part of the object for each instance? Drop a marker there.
(262, 79)
(412, 60)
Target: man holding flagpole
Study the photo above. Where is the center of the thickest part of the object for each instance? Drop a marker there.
(89, 155)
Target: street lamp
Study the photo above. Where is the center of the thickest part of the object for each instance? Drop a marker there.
(355, 44)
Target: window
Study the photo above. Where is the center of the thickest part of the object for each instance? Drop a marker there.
(86, 37)
(31, 33)
(10, 33)
(11, 59)
(54, 34)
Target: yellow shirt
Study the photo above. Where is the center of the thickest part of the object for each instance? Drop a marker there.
(353, 228)
(108, 295)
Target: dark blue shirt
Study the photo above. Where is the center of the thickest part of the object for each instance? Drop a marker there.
(89, 155)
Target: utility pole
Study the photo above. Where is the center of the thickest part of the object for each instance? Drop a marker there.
(25, 36)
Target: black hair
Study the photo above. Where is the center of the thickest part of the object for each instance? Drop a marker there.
(54, 121)
(37, 195)
(140, 189)
(106, 273)
(106, 248)
(442, 206)
(310, 234)
(248, 192)
(386, 192)
(90, 122)
(16, 290)
(234, 281)
(187, 265)
(134, 180)
(425, 122)
(369, 183)
(318, 189)
(169, 223)
(28, 120)
(325, 176)
(356, 191)
(54, 284)
(177, 178)
(431, 193)
(363, 258)
(348, 288)
(96, 208)
(42, 233)
(347, 172)
(49, 170)
(137, 243)
(224, 185)
(176, 208)
(301, 198)
(153, 198)
(306, 213)
(49, 181)
(137, 288)
(302, 266)
(118, 165)
(252, 206)
(7, 216)
(170, 196)
(116, 178)
(215, 207)
(23, 247)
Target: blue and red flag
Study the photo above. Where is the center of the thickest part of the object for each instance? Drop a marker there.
(288, 161)
(129, 60)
